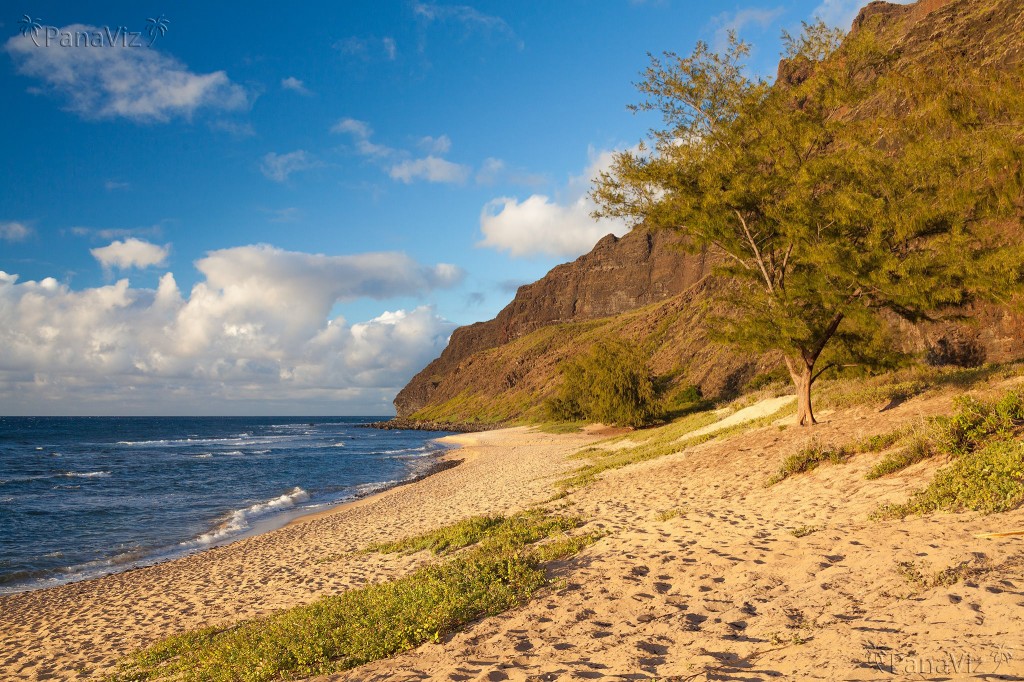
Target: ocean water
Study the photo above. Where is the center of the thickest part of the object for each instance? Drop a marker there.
(85, 496)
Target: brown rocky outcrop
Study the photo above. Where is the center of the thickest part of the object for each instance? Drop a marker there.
(618, 275)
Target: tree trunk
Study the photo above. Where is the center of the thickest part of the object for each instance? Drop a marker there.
(801, 369)
(802, 373)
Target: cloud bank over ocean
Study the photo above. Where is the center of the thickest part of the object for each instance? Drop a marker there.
(258, 328)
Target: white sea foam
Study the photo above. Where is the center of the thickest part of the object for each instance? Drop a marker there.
(240, 439)
(407, 451)
(338, 445)
(240, 519)
(86, 474)
(205, 455)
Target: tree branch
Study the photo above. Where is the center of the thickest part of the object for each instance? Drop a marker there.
(757, 253)
(736, 258)
(830, 330)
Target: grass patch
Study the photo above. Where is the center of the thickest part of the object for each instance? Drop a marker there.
(990, 480)
(974, 424)
(665, 440)
(340, 632)
(590, 453)
(977, 422)
(809, 459)
(987, 473)
(918, 449)
(804, 531)
(909, 571)
(901, 385)
(520, 529)
(882, 441)
(947, 577)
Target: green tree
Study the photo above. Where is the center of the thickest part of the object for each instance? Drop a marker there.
(611, 384)
(855, 184)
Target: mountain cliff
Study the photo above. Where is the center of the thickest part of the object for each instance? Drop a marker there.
(618, 276)
(645, 288)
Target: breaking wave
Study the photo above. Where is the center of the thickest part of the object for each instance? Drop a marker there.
(240, 519)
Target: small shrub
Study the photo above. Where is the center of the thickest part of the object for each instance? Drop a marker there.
(808, 459)
(953, 574)
(882, 441)
(977, 421)
(612, 384)
(974, 424)
(947, 577)
(909, 571)
(917, 450)
(804, 531)
(989, 480)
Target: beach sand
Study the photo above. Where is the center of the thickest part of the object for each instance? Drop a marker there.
(78, 631)
(699, 575)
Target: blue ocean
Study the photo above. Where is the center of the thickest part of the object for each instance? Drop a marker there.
(85, 496)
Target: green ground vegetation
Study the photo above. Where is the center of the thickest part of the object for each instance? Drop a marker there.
(817, 453)
(501, 566)
(517, 530)
(651, 444)
(808, 459)
(983, 440)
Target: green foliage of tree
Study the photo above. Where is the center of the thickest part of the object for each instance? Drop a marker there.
(611, 384)
(856, 184)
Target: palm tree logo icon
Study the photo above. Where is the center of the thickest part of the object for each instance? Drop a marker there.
(157, 27)
(30, 26)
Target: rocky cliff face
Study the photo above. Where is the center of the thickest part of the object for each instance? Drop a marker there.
(618, 275)
(644, 288)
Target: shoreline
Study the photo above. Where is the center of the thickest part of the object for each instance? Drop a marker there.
(407, 424)
(441, 461)
(80, 630)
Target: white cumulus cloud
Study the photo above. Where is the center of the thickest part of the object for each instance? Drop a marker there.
(130, 253)
(435, 145)
(295, 85)
(470, 19)
(430, 168)
(361, 132)
(542, 225)
(278, 167)
(107, 81)
(14, 231)
(735, 22)
(399, 164)
(256, 332)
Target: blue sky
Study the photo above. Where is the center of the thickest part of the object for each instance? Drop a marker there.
(267, 211)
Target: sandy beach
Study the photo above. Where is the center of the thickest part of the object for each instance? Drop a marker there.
(703, 572)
